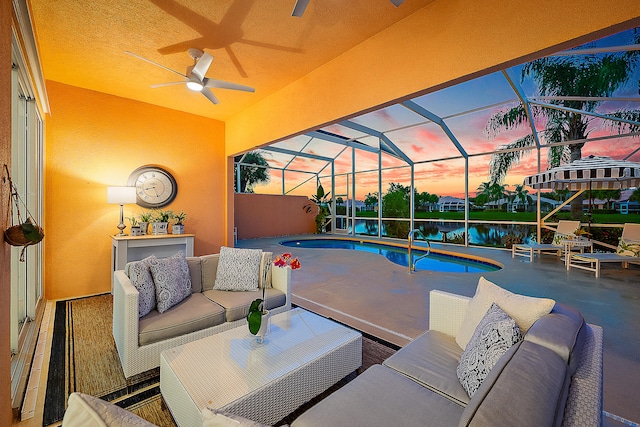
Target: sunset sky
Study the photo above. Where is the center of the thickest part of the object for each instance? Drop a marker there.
(465, 109)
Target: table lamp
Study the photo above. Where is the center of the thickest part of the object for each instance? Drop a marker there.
(120, 196)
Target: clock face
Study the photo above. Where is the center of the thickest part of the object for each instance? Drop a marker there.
(155, 187)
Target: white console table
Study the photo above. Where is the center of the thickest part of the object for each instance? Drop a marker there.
(125, 249)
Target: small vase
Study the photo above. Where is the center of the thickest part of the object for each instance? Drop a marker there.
(144, 226)
(178, 229)
(135, 231)
(160, 228)
(265, 324)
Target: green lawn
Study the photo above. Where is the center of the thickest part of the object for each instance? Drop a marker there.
(597, 218)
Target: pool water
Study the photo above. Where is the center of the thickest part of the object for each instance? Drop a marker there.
(398, 255)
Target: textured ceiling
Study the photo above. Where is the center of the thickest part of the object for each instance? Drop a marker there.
(254, 42)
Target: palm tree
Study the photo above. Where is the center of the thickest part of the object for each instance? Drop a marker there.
(522, 195)
(483, 194)
(497, 191)
(593, 76)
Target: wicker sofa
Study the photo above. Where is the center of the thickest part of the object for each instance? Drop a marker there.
(139, 340)
(552, 377)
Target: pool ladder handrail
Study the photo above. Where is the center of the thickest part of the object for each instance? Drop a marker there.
(411, 239)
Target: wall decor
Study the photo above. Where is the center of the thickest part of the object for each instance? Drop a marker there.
(155, 186)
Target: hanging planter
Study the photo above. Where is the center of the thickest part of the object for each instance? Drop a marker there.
(26, 232)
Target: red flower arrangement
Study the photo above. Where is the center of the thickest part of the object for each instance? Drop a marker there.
(286, 259)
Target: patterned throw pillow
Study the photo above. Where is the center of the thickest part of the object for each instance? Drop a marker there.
(628, 247)
(140, 277)
(495, 334)
(523, 309)
(173, 283)
(238, 269)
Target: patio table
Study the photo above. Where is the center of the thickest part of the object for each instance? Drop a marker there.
(302, 355)
(570, 244)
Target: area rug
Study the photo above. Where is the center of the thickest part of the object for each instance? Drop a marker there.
(84, 359)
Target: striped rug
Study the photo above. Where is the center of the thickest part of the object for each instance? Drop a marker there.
(84, 359)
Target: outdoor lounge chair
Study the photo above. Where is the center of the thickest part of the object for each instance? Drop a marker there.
(565, 228)
(628, 251)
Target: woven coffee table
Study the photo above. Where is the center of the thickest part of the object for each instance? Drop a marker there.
(302, 356)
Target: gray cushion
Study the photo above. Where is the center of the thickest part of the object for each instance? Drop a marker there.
(381, 397)
(195, 273)
(432, 360)
(140, 277)
(209, 264)
(172, 280)
(494, 335)
(527, 387)
(563, 331)
(236, 304)
(238, 269)
(194, 313)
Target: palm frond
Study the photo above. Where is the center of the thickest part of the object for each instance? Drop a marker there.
(503, 161)
(506, 119)
(622, 127)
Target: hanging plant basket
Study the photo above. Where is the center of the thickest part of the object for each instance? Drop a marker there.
(24, 234)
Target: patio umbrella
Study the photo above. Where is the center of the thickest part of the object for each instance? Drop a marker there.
(589, 173)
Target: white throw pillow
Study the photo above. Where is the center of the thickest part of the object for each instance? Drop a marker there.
(495, 334)
(172, 279)
(140, 277)
(523, 309)
(238, 269)
(88, 411)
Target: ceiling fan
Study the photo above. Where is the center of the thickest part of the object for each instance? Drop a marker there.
(195, 78)
(301, 5)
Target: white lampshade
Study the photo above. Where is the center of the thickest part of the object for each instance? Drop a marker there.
(121, 195)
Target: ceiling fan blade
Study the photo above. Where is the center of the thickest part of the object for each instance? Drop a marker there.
(166, 84)
(397, 3)
(221, 84)
(300, 7)
(202, 66)
(209, 95)
(154, 63)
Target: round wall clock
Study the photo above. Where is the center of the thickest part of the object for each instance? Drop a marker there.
(155, 186)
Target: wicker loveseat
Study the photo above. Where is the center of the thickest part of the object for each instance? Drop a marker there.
(552, 377)
(206, 311)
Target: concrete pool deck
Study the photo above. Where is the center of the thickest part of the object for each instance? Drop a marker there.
(370, 293)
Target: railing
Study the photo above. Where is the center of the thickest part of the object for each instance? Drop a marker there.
(411, 238)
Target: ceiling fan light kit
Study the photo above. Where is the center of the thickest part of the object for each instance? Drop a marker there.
(194, 85)
(195, 79)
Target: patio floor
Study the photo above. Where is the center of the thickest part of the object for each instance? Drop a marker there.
(372, 294)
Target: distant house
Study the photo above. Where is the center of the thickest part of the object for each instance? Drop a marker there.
(450, 204)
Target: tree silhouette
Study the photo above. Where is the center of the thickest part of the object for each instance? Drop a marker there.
(250, 175)
(592, 77)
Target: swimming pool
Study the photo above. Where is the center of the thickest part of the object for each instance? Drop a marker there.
(435, 261)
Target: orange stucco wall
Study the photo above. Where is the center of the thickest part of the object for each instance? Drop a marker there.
(5, 253)
(445, 42)
(267, 215)
(96, 140)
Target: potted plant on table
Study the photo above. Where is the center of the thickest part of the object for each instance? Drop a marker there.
(258, 317)
(178, 226)
(144, 219)
(135, 228)
(161, 221)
